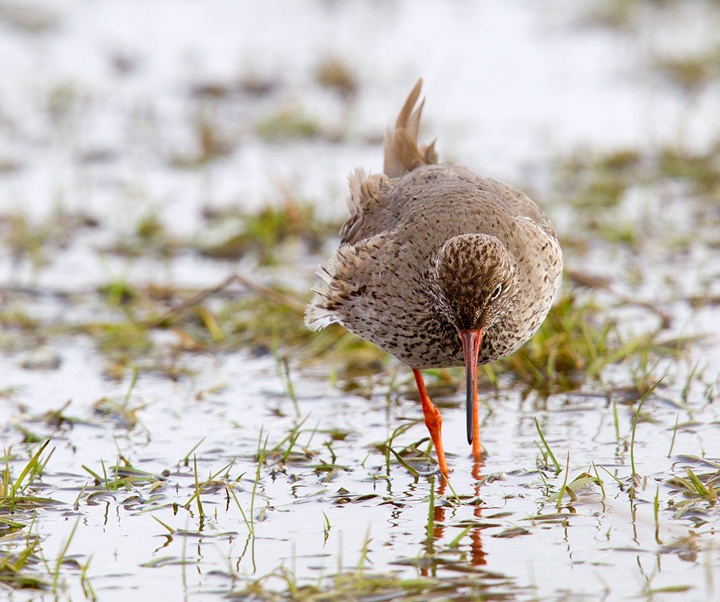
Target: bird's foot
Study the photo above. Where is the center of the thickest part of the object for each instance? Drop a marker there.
(479, 454)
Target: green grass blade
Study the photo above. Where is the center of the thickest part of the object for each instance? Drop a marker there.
(564, 485)
(547, 447)
(23, 474)
(635, 421)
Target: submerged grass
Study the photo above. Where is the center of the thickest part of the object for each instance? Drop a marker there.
(17, 568)
(366, 586)
(634, 426)
(545, 449)
(22, 555)
(700, 492)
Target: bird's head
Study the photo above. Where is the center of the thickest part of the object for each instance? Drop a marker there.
(475, 281)
(475, 278)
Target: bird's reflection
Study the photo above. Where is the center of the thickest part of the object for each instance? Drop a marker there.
(437, 530)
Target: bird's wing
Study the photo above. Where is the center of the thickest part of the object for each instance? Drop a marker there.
(369, 205)
(345, 280)
(520, 205)
(542, 263)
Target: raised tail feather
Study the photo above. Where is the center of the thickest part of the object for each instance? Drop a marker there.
(402, 153)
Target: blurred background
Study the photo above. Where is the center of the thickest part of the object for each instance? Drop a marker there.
(157, 114)
(172, 172)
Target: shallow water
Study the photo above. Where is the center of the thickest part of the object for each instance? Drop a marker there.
(518, 542)
(97, 110)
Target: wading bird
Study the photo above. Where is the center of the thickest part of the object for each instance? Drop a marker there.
(438, 266)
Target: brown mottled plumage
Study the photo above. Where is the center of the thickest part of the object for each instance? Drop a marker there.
(433, 253)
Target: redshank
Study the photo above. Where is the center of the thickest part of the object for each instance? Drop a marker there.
(438, 266)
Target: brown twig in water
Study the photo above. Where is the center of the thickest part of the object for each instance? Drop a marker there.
(199, 297)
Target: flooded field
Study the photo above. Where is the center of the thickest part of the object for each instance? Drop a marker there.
(171, 175)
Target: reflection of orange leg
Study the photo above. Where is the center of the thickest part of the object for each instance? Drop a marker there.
(433, 421)
(476, 547)
(476, 544)
(477, 467)
(440, 512)
(439, 520)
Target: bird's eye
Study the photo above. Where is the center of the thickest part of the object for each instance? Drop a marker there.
(495, 293)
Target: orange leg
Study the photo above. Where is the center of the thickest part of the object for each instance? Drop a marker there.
(433, 421)
(477, 448)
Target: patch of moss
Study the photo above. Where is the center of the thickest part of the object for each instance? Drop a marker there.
(122, 338)
(264, 231)
(335, 74)
(702, 171)
(119, 293)
(38, 241)
(620, 161)
(25, 240)
(18, 319)
(604, 191)
(288, 123)
(599, 182)
(692, 73)
(150, 238)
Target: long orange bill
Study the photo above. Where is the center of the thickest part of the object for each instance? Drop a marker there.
(471, 347)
